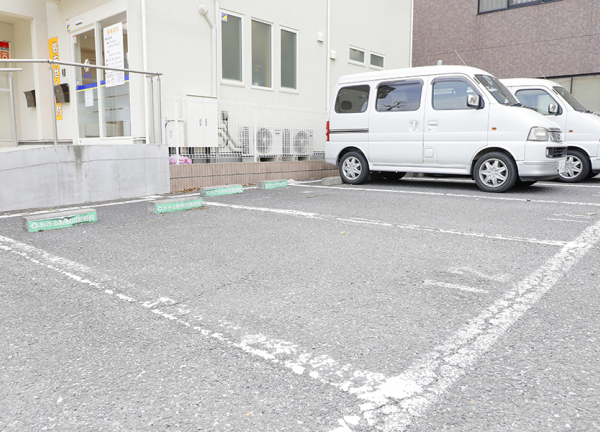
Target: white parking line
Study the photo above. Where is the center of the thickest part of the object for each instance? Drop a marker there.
(544, 184)
(454, 286)
(454, 195)
(388, 404)
(362, 221)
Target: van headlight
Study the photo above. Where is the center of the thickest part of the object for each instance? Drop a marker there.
(538, 133)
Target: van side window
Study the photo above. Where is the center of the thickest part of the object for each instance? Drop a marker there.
(399, 96)
(451, 95)
(352, 99)
(539, 100)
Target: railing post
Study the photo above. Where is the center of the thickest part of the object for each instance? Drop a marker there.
(159, 98)
(53, 104)
(14, 113)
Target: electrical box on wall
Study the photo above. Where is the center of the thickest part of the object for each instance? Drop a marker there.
(30, 98)
(61, 92)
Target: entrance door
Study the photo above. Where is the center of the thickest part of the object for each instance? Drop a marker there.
(6, 117)
(103, 105)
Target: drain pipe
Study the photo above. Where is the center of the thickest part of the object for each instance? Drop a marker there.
(328, 58)
(204, 12)
(145, 52)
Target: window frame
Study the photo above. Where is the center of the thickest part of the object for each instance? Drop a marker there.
(270, 24)
(356, 62)
(371, 65)
(227, 81)
(399, 82)
(560, 109)
(515, 6)
(281, 87)
(456, 78)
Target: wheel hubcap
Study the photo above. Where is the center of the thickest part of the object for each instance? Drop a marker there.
(573, 167)
(493, 173)
(352, 168)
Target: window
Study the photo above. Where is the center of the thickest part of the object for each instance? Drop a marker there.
(537, 99)
(377, 60)
(497, 89)
(357, 55)
(451, 95)
(261, 54)
(399, 96)
(231, 41)
(288, 59)
(352, 99)
(494, 5)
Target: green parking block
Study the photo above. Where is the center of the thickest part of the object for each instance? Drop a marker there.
(221, 190)
(272, 184)
(58, 220)
(174, 205)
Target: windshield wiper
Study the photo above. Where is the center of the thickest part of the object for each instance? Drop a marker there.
(518, 104)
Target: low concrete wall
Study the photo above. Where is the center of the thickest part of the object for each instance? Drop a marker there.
(184, 177)
(48, 176)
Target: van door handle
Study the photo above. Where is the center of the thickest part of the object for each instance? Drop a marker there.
(432, 125)
(414, 125)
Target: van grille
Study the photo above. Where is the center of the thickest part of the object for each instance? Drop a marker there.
(556, 152)
(556, 135)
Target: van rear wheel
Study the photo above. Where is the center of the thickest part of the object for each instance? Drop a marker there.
(495, 172)
(354, 168)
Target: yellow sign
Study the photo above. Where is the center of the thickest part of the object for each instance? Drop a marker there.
(53, 49)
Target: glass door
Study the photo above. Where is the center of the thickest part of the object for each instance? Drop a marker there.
(103, 103)
(87, 85)
(6, 117)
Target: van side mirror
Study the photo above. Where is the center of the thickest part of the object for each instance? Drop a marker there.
(553, 109)
(473, 101)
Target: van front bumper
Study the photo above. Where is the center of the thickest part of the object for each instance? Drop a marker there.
(536, 171)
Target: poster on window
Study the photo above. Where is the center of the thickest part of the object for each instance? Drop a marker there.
(4, 50)
(114, 54)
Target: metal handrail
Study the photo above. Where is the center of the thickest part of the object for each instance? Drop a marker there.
(51, 62)
(56, 62)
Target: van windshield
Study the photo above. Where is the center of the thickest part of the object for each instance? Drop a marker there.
(497, 89)
(577, 106)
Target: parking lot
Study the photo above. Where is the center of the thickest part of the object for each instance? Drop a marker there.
(416, 305)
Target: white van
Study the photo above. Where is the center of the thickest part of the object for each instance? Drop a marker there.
(442, 120)
(581, 127)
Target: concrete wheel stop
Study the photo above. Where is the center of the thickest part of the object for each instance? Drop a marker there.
(174, 205)
(58, 219)
(271, 184)
(221, 190)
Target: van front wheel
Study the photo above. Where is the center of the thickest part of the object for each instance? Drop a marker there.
(354, 168)
(495, 172)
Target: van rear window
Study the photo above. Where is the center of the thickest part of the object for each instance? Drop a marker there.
(399, 96)
(353, 99)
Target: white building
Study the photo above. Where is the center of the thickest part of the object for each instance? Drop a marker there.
(271, 65)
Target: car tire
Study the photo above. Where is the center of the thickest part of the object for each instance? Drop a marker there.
(354, 168)
(495, 172)
(577, 167)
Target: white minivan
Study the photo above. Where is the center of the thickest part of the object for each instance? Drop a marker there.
(580, 126)
(440, 120)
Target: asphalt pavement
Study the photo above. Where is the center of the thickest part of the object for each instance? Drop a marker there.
(417, 305)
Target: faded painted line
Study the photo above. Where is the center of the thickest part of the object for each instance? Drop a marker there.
(454, 286)
(393, 405)
(362, 221)
(565, 220)
(496, 278)
(453, 195)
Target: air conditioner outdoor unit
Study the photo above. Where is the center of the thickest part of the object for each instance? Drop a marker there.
(302, 142)
(261, 142)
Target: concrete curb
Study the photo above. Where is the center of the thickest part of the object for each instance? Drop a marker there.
(331, 181)
(58, 220)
